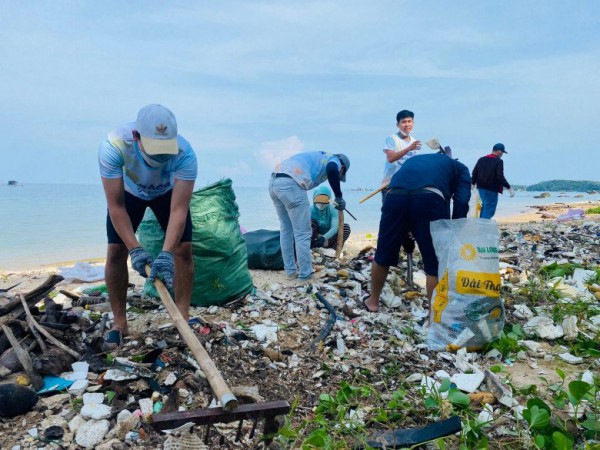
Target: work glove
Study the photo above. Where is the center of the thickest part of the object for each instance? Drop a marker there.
(139, 259)
(340, 203)
(163, 268)
(511, 192)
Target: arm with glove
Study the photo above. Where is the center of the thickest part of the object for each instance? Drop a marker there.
(115, 198)
(333, 176)
(163, 267)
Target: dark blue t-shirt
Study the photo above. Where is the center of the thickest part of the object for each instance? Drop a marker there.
(435, 170)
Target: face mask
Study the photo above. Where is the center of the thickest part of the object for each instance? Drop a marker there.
(321, 206)
(161, 159)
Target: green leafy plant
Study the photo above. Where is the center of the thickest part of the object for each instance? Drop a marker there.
(559, 270)
(507, 343)
(547, 429)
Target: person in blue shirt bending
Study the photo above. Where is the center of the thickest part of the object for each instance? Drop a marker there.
(289, 182)
(420, 192)
(324, 220)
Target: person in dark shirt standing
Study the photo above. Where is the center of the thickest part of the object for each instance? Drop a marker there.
(420, 192)
(488, 176)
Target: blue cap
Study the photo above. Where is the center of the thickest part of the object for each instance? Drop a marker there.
(499, 148)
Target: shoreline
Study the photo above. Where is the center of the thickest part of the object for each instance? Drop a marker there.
(357, 241)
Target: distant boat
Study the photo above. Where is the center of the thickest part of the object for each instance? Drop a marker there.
(13, 183)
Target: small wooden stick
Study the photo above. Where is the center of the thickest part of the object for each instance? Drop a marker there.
(381, 188)
(340, 234)
(37, 336)
(47, 335)
(24, 359)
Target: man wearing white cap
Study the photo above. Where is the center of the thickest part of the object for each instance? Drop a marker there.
(147, 164)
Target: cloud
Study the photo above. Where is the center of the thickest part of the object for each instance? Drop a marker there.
(238, 169)
(272, 153)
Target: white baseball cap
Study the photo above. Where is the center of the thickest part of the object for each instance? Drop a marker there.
(158, 130)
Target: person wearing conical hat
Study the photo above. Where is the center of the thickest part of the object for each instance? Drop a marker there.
(324, 220)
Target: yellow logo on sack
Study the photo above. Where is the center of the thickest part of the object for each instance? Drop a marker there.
(441, 298)
(478, 283)
(468, 252)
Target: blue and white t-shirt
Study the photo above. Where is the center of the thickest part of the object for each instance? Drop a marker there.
(308, 169)
(394, 142)
(119, 156)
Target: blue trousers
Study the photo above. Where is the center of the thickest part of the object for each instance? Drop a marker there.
(489, 201)
(293, 210)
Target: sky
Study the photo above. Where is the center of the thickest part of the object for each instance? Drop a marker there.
(252, 83)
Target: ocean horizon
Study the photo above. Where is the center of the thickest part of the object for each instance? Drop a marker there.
(45, 224)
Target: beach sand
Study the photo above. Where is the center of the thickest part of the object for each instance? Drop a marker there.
(139, 323)
(31, 278)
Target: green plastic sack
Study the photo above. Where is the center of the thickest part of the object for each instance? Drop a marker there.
(220, 259)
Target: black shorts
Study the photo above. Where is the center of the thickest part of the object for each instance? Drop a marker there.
(136, 207)
(402, 214)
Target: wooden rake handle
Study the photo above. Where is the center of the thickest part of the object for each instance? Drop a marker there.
(214, 377)
(377, 191)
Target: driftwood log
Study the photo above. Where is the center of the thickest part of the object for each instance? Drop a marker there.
(24, 359)
(33, 324)
(31, 298)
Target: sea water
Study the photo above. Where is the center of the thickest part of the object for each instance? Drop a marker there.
(43, 224)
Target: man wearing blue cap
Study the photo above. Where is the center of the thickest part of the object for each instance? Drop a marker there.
(289, 182)
(488, 177)
(146, 164)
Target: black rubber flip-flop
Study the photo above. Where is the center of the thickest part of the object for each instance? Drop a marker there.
(363, 302)
(112, 340)
(410, 437)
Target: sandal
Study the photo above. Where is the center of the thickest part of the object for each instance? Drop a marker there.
(112, 340)
(363, 303)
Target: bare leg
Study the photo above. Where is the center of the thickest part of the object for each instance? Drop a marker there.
(117, 278)
(430, 284)
(378, 276)
(184, 277)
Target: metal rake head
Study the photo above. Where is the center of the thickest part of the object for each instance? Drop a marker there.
(256, 412)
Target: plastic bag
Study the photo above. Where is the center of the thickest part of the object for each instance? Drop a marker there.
(220, 259)
(466, 308)
(82, 271)
(474, 204)
(264, 250)
(571, 214)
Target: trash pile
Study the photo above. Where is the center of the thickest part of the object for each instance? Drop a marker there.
(285, 342)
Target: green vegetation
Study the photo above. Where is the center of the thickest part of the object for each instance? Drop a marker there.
(565, 185)
(349, 416)
(593, 210)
